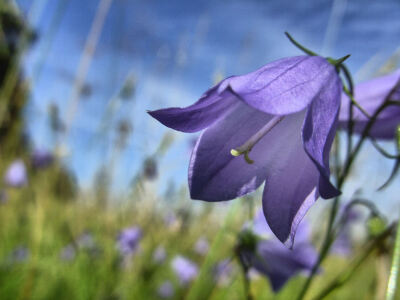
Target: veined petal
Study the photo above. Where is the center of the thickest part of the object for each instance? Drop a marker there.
(290, 188)
(216, 175)
(213, 105)
(285, 86)
(370, 95)
(319, 130)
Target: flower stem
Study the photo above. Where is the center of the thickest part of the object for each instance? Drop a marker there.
(301, 47)
(345, 276)
(394, 270)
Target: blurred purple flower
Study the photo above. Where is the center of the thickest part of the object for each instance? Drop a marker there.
(86, 241)
(201, 247)
(3, 197)
(41, 158)
(68, 253)
(159, 255)
(223, 271)
(274, 260)
(16, 174)
(166, 290)
(185, 269)
(170, 218)
(285, 113)
(370, 95)
(19, 254)
(128, 240)
(343, 243)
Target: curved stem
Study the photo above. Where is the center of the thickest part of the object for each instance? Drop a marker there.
(301, 47)
(345, 276)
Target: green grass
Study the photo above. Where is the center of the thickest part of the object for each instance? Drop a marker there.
(37, 220)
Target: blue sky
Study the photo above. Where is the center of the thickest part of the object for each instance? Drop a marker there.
(175, 49)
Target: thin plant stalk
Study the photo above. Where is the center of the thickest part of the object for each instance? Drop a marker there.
(394, 270)
(86, 60)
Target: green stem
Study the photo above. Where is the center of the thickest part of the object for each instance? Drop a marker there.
(301, 47)
(345, 276)
(394, 270)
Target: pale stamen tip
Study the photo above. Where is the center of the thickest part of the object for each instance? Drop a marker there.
(235, 152)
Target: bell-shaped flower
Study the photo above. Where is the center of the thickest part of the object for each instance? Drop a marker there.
(16, 174)
(283, 116)
(41, 158)
(343, 244)
(185, 269)
(202, 246)
(166, 290)
(159, 255)
(370, 95)
(128, 240)
(272, 259)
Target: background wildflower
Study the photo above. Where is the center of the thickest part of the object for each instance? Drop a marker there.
(16, 175)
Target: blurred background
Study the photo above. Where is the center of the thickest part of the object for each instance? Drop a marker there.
(81, 160)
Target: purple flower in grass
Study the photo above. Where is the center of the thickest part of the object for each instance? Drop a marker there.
(20, 254)
(283, 116)
(159, 255)
(223, 271)
(166, 290)
(3, 196)
(86, 241)
(41, 158)
(343, 243)
(274, 260)
(16, 174)
(370, 95)
(128, 240)
(201, 247)
(184, 269)
(68, 253)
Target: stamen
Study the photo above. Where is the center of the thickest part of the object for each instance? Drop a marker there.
(246, 147)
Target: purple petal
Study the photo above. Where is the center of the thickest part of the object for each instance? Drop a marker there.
(16, 174)
(185, 269)
(279, 264)
(216, 175)
(261, 228)
(370, 95)
(319, 130)
(285, 86)
(128, 240)
(213, 105)
(166, 290)
(290, 189)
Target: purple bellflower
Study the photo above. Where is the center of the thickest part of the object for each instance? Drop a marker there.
(343, 243)
(166, 290)
(202, 246)
(370, 95)
(284, 115)
(184, 269)
(128, 240)
(68, 253)
(16, 174)
(159, 255)
(274, 260)
(41, 158)
(223, 271)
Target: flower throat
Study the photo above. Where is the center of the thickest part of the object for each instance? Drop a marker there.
(249, 144)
